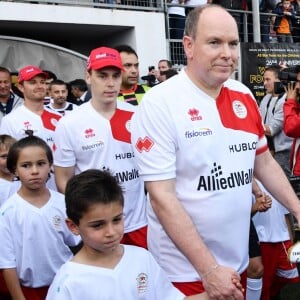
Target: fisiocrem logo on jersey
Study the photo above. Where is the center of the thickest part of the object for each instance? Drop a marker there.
(144, 144)
(239, 109)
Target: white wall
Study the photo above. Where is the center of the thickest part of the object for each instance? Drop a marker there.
(145, 31)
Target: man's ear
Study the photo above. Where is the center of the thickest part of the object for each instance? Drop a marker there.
(72, 226)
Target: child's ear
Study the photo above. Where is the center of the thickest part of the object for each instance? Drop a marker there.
(72, 226)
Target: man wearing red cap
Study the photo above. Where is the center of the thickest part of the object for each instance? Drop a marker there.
(97, 135)
(32, 118)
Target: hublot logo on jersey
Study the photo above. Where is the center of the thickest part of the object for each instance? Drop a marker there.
(242, 147)
(127, 175)
(216, 181)
(124, 155)
(98, 144)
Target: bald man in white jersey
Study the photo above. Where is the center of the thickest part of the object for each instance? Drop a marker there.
(199, 138)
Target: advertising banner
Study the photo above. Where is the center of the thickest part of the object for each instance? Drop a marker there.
(255, 57)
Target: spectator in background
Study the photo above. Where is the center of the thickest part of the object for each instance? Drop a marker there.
(163, 65)
(50, 77)
(14, 84)
(164, 75)
(283, 23)
(131, 91)
(8, 100)
(58, 91)
(194, 3)
(296, 21)
(176, 14)
(234, 5)
(291, 124)
(266, 6)
(271, 108)
(79, 90)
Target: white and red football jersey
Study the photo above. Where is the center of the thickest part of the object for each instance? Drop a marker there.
(209, 146)
(86, 140)
(19, 121)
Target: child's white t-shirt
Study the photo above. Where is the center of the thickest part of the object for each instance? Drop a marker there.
(8, 188)
(34, 240)
(137, 276)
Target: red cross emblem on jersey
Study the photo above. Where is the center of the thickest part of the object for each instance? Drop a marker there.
(144, 144)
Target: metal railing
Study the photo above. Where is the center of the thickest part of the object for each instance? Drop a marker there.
(176, 52)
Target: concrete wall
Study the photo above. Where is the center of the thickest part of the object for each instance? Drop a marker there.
(83, 28)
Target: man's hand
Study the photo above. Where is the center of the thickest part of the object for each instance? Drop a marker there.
(223, 283)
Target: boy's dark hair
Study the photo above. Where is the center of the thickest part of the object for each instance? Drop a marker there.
(29, 141)
(127, 49)
(88, 188)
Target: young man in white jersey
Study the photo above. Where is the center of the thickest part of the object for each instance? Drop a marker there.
(198, 140)
(32, 118)
(98, 135)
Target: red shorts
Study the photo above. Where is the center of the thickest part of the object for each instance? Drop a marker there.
(35, 293)
(196, 287)
(29, 293)
(278, 271)
(136, 238)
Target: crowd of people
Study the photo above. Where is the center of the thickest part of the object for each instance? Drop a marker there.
(138, 192)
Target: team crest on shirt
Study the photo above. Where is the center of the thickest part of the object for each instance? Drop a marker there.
(142, 283)
(27, 124)
(239, 109)
(128, 125)
(57, 222)
(53, 121)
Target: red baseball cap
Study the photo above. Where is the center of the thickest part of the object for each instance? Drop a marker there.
(28, 72)
(104, 57)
